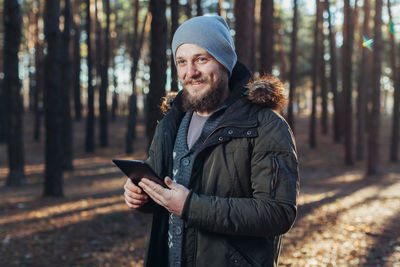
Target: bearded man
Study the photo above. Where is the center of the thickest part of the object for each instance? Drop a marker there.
(228, 158)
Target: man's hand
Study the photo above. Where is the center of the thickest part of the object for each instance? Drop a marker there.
(134, 195)
(172, 199)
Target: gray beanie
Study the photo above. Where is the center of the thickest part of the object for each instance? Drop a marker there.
(210, 33)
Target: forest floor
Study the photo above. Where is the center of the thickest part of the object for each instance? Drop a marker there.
(344, 218)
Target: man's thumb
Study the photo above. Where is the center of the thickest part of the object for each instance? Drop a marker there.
(168, 181)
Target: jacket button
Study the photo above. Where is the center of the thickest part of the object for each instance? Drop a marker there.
(178, 230)
(230, 132)
(220, 138)
(185, 162)
(249, 132)
(235, 261)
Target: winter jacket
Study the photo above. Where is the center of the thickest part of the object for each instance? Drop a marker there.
(244, 184)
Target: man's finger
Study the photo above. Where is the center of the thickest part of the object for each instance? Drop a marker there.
(154, 190)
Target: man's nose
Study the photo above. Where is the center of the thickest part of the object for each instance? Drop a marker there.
(192, 71)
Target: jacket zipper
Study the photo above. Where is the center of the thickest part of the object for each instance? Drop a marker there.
(275, 169)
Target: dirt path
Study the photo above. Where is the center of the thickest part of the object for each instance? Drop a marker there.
(344, 218)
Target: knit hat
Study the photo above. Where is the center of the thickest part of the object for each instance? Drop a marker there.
(210, 33)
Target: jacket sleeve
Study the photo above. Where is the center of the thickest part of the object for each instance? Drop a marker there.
(274, 182)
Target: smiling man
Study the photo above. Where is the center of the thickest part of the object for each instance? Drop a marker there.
(228, 158)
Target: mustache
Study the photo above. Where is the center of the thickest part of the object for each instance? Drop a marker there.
(198, 80)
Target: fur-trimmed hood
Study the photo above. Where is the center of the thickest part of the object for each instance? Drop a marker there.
(266, 90)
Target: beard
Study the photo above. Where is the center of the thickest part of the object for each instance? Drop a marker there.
(207, 102)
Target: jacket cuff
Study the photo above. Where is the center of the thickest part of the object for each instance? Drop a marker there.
(185, 209)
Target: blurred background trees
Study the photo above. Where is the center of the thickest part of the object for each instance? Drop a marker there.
(102, 60)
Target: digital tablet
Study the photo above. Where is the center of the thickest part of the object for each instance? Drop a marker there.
(138, 169)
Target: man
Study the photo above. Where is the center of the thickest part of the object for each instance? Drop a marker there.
(231, 158)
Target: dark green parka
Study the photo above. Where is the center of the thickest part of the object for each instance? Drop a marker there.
(244, 183)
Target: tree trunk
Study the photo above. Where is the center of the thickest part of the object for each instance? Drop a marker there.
(3, 116)
(77, 61)
(38, 96)
(363, 86)
(244, 27)
(333, 77)
(12, 87)
(199, 9)
(104, 81)
(394, 146)
(114, 104)
(293, 65)
(373, 159)
(53, 185)
(315, 75)
(174, 26)
(158, 65)
(267, 36)
(66, 85)
(90, 99)
(347, 82)
(322, 77)
(188, 9)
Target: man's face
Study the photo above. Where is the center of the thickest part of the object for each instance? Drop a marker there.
(204, 79)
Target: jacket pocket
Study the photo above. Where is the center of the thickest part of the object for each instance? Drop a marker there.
(275, 174)
(238, 257)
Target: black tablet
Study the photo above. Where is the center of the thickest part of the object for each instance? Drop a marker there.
(138, 169)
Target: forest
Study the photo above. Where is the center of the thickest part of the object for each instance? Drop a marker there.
(82, 82)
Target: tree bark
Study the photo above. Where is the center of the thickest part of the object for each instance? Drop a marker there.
(174, 26)
(293, 66)
(104, 81)
(53, 185)
(66, 85)
(90, 104)
(188, 9)
(77, 61)
(199, 9)
(38, 93)
(373, 158)
(3, 116)
(267, 36)
(315, 75)
(244, 27)
(394, 146)
(158, 65)
(12, 89)
(347, 82)
(333, 77)
(363, 86)
(323, 81)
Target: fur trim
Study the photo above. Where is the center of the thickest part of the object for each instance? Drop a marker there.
(167, 101)
(267, 91)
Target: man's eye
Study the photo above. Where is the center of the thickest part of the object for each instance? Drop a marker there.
(180, 62)
(202, 59)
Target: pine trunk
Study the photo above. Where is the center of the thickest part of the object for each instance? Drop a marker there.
(244, 27)
(90, 99)
(363, 86)
(104, 81)
(53, 185)
(66, 85)
(333, 77)
(174, 26)
(199, 8)
(77, 61)
(315, 75)
(267, 36)
(12, 90)
(394, 146)
(323, 79)
(158, 65)
(293, 65)
(373, 158)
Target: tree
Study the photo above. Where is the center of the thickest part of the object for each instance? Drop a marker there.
(394, 146)
(66, 86)
(315, 74)
(373, 158)
(90, 99)
(188, 9)
(53, 185)
(348, 42)
(104, 81)
(77, 61)
(199, 8)
(244, 27)
(158, 65)
(293, 66)
(2, 90)
(322, 78)
(38, 93)
(267, 36)
(12, 89)
(362, 87)
(174, 26)
(333, 77)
